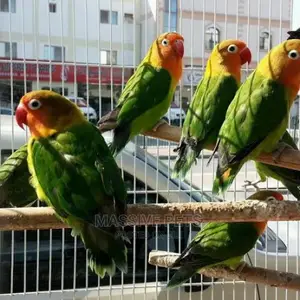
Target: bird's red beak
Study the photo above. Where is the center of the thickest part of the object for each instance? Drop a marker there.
(179, 48)
(246, 55)
(21, 115)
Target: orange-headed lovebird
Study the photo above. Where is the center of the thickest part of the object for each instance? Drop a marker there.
(74, 172)
(219, 243)
(208, 107)
(258, 115)
(148, 93)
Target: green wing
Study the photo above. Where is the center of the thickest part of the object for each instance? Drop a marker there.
(258, 109)
(222, 241)
(83, 175)
(144, 101)
(208, 108)
(15, 189)
(215, 244)
(255, 120)
(147, 88)
(205, 116)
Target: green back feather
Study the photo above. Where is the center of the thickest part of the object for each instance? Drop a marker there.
(255, 121)
(215, 244)
(144, 101)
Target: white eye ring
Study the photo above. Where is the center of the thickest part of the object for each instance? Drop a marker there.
(232, 48)
(271, 198)
(165, 42)
(293, 54)
(34, 104)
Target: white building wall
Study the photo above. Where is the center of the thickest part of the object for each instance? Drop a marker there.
(279, 8)
(75, 23)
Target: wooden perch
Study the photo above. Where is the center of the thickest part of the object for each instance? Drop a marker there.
(249, 274)
(288, 159)
(151, 214)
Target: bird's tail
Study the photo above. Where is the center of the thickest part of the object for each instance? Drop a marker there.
(109, 121)
(185, 159)
(182, 275)
(223, 179)
(189, 266)
(293, 188)
(121, 132)
(106, 250)
(120, 139)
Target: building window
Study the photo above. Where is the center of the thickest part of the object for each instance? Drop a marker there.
(128, 18)
(54, 53)
(108, 17)
(52, 7)
(170, 15)
(8, 6)
(265, 41)
(212, 37)
(109, 58)
(8, 49)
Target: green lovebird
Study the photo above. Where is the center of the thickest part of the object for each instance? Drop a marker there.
(74, 172)
(288, 177)
(210, 102)
(258, 115)
(219, 243)
(15, 189)
(148, 93)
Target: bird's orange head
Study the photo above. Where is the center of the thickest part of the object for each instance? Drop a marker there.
(167, 52)
(228, 56)
(46, 113)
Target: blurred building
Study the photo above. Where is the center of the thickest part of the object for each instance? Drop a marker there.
(75, 47)
(261, 23)
(89, 48)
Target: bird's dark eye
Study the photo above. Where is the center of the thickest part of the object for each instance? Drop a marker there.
(34, 104)
(293, 54)
(165, 42)
(232, 48)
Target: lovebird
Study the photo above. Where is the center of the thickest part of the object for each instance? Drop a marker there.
(15, 189)
(73, 171)
(289, 178)
(148, 93)
(219, 243)
(258, 115)
(210, 102)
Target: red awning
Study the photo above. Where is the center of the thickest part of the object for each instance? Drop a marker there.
(59, 72)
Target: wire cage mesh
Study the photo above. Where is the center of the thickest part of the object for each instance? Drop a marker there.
(87, 50)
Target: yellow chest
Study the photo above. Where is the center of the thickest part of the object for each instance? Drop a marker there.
(34, 180)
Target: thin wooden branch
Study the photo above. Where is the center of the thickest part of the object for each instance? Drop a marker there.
(249, 274)
(289, 158)
(151, 214)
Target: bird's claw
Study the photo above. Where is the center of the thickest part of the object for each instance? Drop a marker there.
(249, 183)
(158, 124)
(281, 146)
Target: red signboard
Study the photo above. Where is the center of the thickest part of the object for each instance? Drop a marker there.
(33, 70)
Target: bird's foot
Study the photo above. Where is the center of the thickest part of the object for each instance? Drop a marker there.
(281, 146)
(249, 183)
(158, 124)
